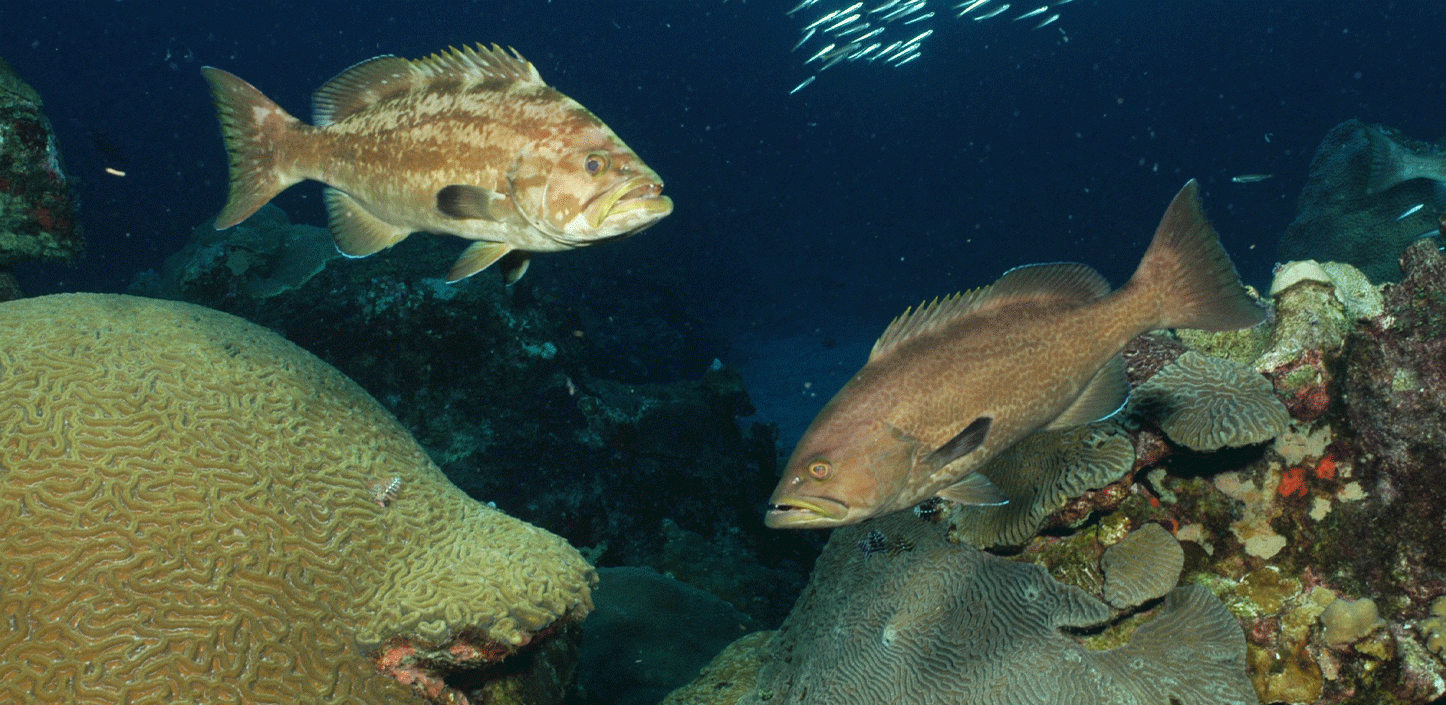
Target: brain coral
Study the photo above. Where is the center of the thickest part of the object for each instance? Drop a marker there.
(943, 623)
(193, 509)
(1039, 475)
(1142, 566)
(1208, 403)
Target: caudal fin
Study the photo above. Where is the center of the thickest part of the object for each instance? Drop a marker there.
(1188, 276)
(1387, 162)
(256, 132)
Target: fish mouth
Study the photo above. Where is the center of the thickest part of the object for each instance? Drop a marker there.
(798, 513)
(639, 200)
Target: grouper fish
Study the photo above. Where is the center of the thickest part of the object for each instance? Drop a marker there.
(956, 381)
(469, 142)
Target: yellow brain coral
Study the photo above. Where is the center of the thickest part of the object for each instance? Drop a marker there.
(193, 509)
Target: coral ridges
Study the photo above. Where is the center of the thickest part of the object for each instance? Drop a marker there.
(195, 508)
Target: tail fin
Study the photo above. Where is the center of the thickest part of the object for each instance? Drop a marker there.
(256, 130)
(1187, 274)
(1386, 168)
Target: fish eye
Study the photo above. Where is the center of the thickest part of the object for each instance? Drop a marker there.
(596, 163)
(820, 469)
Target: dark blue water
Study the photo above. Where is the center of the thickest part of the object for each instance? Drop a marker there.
(822, 213)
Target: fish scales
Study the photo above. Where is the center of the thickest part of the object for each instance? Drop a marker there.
(950, 385)
(468, 142)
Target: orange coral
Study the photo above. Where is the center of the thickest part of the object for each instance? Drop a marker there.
(1326, 469)
(1292, 482)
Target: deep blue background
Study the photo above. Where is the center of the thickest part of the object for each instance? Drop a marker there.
(837, 207)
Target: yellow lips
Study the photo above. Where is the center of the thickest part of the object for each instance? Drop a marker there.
(640, 193)
(795, 512)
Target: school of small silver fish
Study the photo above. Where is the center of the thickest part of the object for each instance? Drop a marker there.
(892, 32)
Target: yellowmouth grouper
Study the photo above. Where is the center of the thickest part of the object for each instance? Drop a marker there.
(953, 383)
(469, 142)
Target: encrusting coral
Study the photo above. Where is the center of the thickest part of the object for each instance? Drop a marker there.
(194, 509)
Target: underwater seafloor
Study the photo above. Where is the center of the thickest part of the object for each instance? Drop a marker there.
(268, 473)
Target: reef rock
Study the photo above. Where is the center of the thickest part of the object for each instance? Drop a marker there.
(37, 208)
(194, 509)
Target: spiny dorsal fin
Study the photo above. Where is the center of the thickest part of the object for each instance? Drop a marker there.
(915, 322)
(1033, 282)
(481, 64)
(383, 77)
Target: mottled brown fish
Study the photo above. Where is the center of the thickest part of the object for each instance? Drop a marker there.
(469, 142)
(952, 384)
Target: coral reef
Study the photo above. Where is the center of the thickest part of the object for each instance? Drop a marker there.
(1338, 217)
(946, 623)
(1322, 542)
(196, 509)
(260, 258)
(37, 208)
(567, 413)
(1039, 476)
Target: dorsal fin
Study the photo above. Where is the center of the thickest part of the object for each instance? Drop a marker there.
(926, 317)
(377, 79)
(1054, 281)
(1032, 282)
(360, 86)
(481, 64)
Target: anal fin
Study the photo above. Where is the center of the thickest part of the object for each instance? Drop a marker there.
(357, 232)
(477, 257)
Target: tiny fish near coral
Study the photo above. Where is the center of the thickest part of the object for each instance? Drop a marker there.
(384, 492)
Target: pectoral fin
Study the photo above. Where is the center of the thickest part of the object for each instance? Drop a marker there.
(477, 257)
(466, 202)
(1104, 395)
(962, 443)
(974, 489)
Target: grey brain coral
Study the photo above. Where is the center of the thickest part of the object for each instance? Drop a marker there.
(1141, 567)
(1039, 475)
(1207, 403)
(944, 623)
(193, 509)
